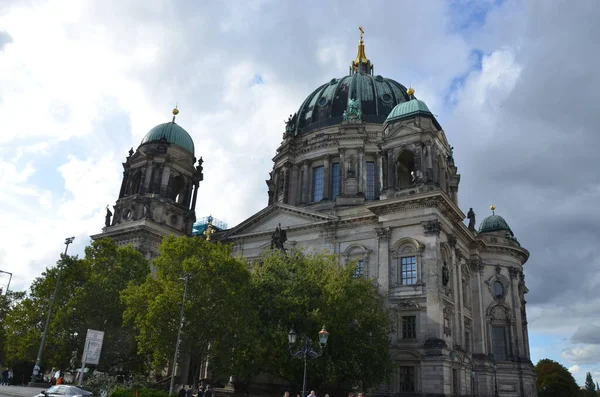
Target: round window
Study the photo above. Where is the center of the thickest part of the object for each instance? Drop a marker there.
(127, 214)
(379, 77)
(333, 81)
(322, 101)
(387, 98)
(498, 290)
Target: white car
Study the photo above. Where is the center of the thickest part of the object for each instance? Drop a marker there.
(64, 391)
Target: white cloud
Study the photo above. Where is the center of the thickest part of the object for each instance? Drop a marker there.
(574, 369)
(589, 354)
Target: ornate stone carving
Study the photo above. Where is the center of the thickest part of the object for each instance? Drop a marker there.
(432, 227)
(451, 241)
(476, 266)
(353, 112)
(458, 254)
(498, 269)
(514, 272)
(384, 233)
(407, 304)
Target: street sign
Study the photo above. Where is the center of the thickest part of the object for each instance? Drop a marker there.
(93, 347)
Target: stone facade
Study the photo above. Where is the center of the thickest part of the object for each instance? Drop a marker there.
(157, 197)
(387, 196)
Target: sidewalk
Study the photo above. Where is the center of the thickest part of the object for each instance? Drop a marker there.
(20, 391)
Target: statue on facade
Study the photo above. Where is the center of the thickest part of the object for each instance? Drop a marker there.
(290, 124)
(351, 171)
(352, 112)
(451, 155)
(199, 169)
(445, 275)
(471, 217)
(278, 237)
(107, 218)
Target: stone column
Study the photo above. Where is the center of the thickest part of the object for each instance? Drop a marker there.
(146, 178)
(516, 304)
(286, 184)
(164, 181)
(310, 183)
(379, 186)
(362, 171)
(326, 178)
(460, 300)
(342, 171)
(293, 185)
(383, 257)
(391, 169)
(305, 198)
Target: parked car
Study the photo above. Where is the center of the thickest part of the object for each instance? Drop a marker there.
(65, 390)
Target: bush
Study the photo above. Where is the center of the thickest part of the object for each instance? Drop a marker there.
(143, 392)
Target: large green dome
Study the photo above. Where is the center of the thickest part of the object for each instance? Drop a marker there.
(494, 223)
(172, 133)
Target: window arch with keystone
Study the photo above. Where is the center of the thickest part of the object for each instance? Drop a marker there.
(405, 268)
(359, 254)
(499, 319)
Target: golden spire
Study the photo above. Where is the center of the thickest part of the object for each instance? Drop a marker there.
(175, 112)
(493, 208)
(361, 58)
(410, 92)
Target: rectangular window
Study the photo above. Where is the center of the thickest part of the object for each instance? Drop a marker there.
(455, 381)
(467, 341)
(499, 347)
(370, 189)
(407, 379)
(360, 268)
(318, 173)
(409, 327)
(335, 180)
(408, 270)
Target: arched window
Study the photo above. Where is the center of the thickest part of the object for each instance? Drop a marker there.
(136, 181)
(405, 261)
(360, 255)
(177, 188)
(405, 168)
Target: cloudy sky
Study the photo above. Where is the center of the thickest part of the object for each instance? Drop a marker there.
(514, 84)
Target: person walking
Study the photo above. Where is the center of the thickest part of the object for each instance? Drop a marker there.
(11, 375)
(181, 392)
(208, 392)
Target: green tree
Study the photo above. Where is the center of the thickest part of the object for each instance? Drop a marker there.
(554, 380)
(8, 300)
(217, 307)
(304, 292)
(590, 386)
(87, 298)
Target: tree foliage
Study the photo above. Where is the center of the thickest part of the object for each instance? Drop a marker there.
(304, 292)
(554, 380)
(590, 386)
(216, 308)
(87, 298)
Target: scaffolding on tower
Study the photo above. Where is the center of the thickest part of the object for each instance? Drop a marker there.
(201, 224)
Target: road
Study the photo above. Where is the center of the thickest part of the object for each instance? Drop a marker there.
(18, 391)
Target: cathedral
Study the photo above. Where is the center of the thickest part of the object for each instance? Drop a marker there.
(365, 171)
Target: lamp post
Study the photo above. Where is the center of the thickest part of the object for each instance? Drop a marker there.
(9, 278)
(495, 380)
(38, 360)
(172, 384)
(306, 351)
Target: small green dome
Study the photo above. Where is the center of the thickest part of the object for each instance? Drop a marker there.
(172, 133)
(408, 109)
(494, 223)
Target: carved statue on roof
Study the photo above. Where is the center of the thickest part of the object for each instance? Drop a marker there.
(278, 238)
(471, 217)
(107, 218)
(352, 112)
(290, 124)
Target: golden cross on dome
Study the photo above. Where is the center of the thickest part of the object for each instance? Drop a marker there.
(362, 31)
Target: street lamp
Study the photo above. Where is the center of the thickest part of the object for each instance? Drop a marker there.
(495, 367)
(7, 285)
(172, 384)
(38, 360)
(306, 351)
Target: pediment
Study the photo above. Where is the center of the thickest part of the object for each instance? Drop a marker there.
(289, 217)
